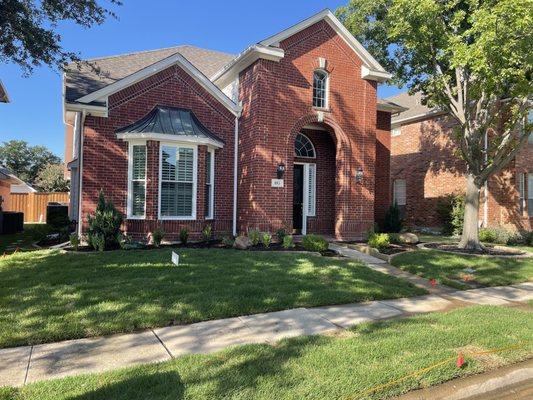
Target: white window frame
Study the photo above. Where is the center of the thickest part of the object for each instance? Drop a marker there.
(194, 181)
(312, 145)
(211, 211)
(326, 97)
(307, 207)
(129, 206)
(522, 201)
(529, 194)
(396, 131)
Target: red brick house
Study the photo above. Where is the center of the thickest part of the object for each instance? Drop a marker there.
(289, 133)
(424, 168)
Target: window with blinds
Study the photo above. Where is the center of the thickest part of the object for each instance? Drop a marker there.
(177, 185)
(209, 183)
(137, 193)
(311, 191)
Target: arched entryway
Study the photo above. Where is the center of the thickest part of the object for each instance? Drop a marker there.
(313, 180)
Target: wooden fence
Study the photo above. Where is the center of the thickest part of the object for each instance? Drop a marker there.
(33, 205)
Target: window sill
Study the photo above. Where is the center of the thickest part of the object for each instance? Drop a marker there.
(130, 217)
(193, 218)
(324, 109)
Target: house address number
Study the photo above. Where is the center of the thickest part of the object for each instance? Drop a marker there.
(277, 183)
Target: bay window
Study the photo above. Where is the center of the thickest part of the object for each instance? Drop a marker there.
(209, 183)
(177, 183)
(136, 181)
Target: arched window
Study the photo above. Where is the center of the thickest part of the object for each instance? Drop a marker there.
(320, 89)
(303, 147)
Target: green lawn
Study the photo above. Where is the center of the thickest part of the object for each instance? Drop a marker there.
(424, 237)
(47, 296)
(490, 271)
(23, 239)
(316, 367)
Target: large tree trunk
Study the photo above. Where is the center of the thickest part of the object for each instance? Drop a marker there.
(470, 236)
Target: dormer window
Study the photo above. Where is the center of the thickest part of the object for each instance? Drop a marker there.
(320, 89)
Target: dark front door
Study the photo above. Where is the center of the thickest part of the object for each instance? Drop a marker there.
(298, 198)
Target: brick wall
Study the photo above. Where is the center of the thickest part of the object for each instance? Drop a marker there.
(105, 157)
(277, 103)
(424, 155)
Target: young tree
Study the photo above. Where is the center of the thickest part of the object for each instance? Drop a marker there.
(24, 160)
(470, 58)
(28, 29)
(51, 178)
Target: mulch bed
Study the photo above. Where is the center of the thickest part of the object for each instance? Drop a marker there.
(491, 251)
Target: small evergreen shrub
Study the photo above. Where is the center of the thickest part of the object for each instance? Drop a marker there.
(528, 238)
(288, 242)
(254, 236)
(207, 233)
(184, 236)
(451, 211)
(393, 221)
(157, 236)
(74, 240)
(228, 241)
(379, 241)
(104, 224)
(487, 235)
(313, 242)
(394, 238)
(266, 239)
(458, 214)
(281, 233)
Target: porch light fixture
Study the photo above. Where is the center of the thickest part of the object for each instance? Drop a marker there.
(280, 171)
(359, 175)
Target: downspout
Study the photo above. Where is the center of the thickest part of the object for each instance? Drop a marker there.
(486, 202)
(80, 169)
(235, 172)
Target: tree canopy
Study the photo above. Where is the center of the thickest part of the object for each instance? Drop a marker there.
(51, 178)
(28, 29)
(470, 58)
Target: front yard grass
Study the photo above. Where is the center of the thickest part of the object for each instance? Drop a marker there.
(46, 296)
(23, 240)
(442, 266)
(316, 367)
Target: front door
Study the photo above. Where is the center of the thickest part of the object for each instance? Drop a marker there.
(298, 198)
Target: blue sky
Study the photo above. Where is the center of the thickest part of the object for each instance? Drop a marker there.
(34, 113)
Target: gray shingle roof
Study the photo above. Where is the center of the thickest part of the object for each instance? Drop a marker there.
(82, 80)
(413, 103)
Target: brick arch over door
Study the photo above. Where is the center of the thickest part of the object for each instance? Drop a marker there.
(346, 222)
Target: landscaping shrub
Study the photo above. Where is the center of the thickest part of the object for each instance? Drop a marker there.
(487, 235)
(266, 239)
(314, 243)
(451, 210)
(458, 214)
(157, 236)
(104, 224)
(207, 233)
(379, 241)
(281, 233)
(184, 236)
(394, 238)
(74, 240)
(393, 221)
(228, 241)
(288, 242)
(528, 238)
(253, 235)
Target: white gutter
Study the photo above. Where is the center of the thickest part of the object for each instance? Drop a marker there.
(235, 172)
(80, 169)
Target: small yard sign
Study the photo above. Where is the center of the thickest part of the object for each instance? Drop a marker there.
(175, 258)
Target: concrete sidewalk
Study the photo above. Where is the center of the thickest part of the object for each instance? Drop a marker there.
(21, 365)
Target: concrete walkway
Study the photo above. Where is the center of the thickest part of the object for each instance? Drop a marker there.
(22, 365)
(382, 266)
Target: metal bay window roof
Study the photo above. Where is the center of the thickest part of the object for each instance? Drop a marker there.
(170, 123)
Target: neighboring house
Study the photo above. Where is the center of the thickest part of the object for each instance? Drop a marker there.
(289, 133)
(424, 167)
(9, 184)
(4, 98)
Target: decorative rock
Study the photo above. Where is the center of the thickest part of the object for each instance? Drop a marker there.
(408, 238)
(242, 243)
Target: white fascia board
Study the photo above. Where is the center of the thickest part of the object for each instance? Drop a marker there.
(253, 53)
(393, 109)
(96, 111)
(374, 75)
(414, 118)
(105, 92)
(339, 28)
(162, 137)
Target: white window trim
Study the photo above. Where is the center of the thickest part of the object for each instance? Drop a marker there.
(211, 211)
(397, 131)
(312, 145)
(129, 206)
(522, 199)
(305, 207)
(194, 181)
(326, 106)
(529, 212)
